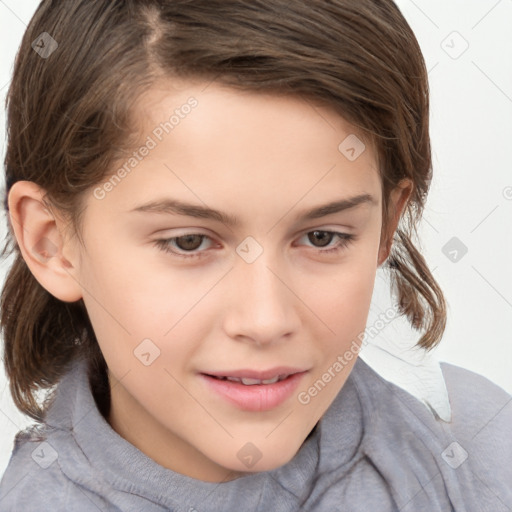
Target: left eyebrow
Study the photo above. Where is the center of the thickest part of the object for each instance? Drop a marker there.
(177, 207)
(337, 206)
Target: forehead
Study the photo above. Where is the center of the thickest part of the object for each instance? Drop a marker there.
(215, 143)
(256, 109)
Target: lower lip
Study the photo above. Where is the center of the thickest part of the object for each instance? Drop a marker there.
(258, 397)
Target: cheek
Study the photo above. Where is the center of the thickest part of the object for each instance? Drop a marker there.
(346, 308)
(347, 288)
(129, 303)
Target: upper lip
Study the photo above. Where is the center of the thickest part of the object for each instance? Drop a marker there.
(255, 374)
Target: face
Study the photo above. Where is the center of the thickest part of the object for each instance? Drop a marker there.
(215, 254)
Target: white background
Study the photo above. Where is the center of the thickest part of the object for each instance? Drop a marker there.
(471, 194)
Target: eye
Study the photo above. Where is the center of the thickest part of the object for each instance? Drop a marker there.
(188, 245)
(326, 237)
(184, 243)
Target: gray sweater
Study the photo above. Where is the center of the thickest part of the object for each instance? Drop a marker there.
(377, 448)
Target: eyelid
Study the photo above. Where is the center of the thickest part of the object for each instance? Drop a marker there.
(342, 230)
(344, 239)
(179, 232)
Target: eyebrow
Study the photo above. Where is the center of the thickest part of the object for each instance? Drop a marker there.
(177, 207)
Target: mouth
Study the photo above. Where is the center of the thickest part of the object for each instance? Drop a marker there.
(255, 391)
(251, 377)
(247, 381)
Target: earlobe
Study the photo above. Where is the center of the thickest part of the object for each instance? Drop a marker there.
(39, 236)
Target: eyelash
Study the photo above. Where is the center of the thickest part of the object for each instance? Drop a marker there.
(344, 241)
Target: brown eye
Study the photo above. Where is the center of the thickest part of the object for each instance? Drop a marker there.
(185, 246)
(325, 237)
(189, 242)
(322, 241)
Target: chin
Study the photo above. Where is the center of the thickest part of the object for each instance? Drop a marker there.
(254, 459)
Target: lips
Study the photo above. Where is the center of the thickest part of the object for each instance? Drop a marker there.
(251, 382)
(252, 390)
(279, 373)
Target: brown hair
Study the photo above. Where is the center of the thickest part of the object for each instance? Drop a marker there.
(69, 120)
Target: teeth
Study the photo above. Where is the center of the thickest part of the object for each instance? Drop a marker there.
(271, 381)
(252, 382)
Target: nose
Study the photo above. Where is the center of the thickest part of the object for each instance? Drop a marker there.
(262, 307)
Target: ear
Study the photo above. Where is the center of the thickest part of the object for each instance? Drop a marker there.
(39, 234)
(398, 199)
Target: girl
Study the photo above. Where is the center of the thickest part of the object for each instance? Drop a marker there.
(290, 141)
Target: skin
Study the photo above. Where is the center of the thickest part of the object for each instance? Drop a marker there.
(264, 159)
